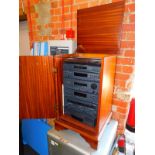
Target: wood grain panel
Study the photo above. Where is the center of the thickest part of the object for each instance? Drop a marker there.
(91, 134)
(99, 28)
(36, 87)
(106, 90)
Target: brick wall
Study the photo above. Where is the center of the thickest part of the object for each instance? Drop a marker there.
(24, 5)
(125, 61)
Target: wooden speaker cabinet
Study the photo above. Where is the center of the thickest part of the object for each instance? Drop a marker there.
(105, 90)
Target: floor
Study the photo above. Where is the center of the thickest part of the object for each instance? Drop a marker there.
(27, 150)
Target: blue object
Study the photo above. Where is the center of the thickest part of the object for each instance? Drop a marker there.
(39, 48)
(45, 48)
(34, 132)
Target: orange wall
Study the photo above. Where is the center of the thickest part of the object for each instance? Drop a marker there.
(125, 61)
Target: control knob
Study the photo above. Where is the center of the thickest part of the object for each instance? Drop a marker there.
(93, 85)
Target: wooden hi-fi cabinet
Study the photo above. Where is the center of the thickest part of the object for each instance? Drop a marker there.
(106, 81)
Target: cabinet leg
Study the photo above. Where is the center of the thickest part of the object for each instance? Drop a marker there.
(59, 127)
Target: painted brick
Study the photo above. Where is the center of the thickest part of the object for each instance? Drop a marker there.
(128, 44)
(66, 9)
(118, 68)
(130, 8)
(125, 61)
(82, 6)
(67, 17)
(116, 0)
(37, 38)
(33, 21)
(66, 2)
(44, 1)
(34, 15)
(127, 69)
(55, 25)
(121, 127)
(106, 1)
(115, 115)
(124, 36)
(55, 31)
(130, 1)
(114, 108)
(119, 76)
(129, 53)
(51, 37)
(120, 83)
(122, 110)
(74, 16)
(67, 24)
(54, 4)
(57, 11)
(81, 1)
(128, 27)
(55, 19)
(52, 12)
(32, 9)
(45, 38)
(75, 8)
(122, 122)
(119, 132)
(123, 116)
(120, 103)
(74, 23)
(91, 4)
(36, 1)
(132, 18)
(130, 36)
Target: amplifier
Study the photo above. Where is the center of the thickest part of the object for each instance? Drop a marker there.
(86, 86)
(81, 75)
(81, 113)
(72, 100)
(81, 95)
(82, 67)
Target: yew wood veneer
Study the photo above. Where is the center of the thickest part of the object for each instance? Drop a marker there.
(107, 72)
(36, 87)
(99, 28)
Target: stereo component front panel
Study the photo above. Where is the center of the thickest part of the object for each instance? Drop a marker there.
(82, 68)
(81, 86)
(81, 75)
(85, 86)
(81, 95)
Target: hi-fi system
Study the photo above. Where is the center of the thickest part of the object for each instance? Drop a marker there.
(81, 86)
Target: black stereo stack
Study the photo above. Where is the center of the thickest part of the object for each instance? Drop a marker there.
(81, 85)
